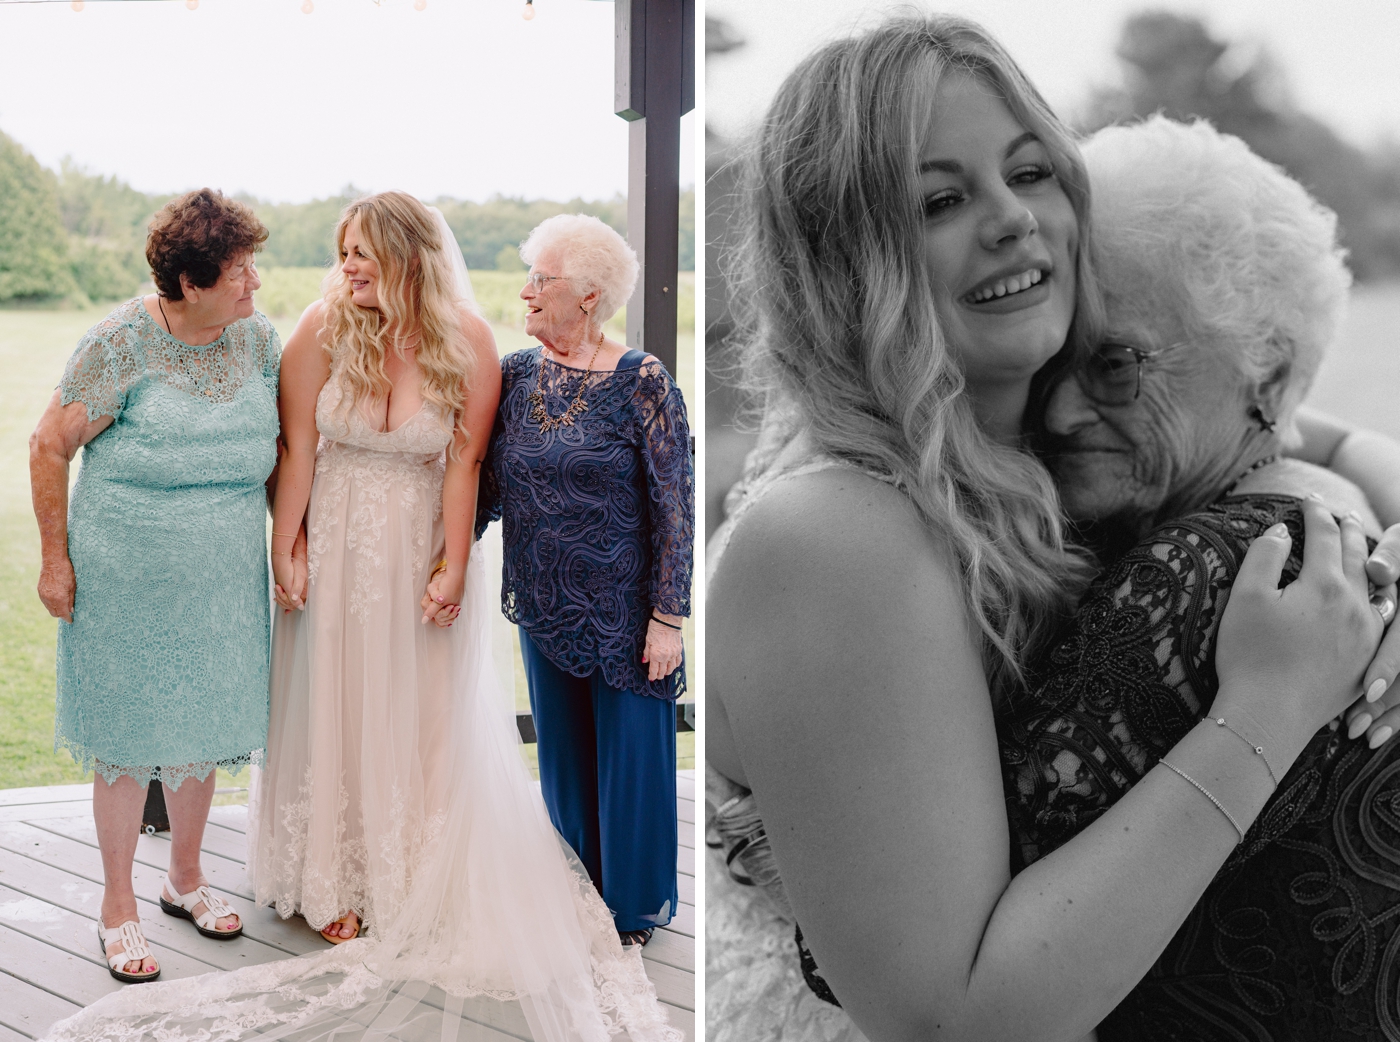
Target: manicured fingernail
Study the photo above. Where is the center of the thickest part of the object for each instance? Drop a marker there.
(1316, 497)
(1376, 689)
(1359, 725)
(1279, 531)
(1380, 738)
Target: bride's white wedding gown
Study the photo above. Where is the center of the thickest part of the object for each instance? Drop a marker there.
(394, 786)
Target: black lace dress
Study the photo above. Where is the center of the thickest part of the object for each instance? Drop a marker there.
(1298, 937)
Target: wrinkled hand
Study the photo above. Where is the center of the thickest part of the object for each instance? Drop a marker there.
(1304, 647)
(442, 601)
(662, 653)
(57, 586)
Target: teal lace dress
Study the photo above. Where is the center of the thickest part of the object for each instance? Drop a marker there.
(164, 669)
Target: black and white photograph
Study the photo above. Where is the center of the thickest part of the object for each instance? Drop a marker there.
(1052, 497)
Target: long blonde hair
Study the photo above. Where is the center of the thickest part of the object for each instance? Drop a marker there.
(841, 338)
(417, 286)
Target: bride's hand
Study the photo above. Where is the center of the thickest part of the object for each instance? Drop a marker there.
(442, 601)
(1292, 659)
(291, 580)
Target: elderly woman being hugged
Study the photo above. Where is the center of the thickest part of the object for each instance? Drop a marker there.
(590, 469)
(158, 565)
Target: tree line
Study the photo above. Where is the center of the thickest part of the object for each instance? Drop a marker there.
(74, 234)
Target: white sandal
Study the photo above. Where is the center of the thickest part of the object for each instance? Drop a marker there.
(134, 949)
(215, 908)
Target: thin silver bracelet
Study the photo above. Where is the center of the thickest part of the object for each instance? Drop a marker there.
(1220, 721)
(1206, 793)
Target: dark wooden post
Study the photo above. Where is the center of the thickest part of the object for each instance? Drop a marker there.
(655, 87)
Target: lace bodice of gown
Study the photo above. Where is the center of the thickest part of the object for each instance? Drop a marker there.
(1298, 936)
(351, 453)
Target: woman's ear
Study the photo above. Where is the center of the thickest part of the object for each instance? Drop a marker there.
(589, 302)
(1270, 392)
(188, 290)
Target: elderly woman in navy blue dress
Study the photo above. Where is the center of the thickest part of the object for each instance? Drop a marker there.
(590, 471)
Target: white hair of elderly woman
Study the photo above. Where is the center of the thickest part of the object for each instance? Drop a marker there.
(1193, 220)
(593, 255)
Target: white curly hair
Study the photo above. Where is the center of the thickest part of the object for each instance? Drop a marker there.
(1194, 221)
(594, 257)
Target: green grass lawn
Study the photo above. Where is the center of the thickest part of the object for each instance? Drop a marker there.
(34, 346)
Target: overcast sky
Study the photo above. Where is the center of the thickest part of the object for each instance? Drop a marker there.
(464, 98)
(1340, 55)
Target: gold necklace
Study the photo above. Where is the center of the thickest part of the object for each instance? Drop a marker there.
(576, 408)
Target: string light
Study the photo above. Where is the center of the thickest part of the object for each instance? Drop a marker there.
(420, 5)
(307, 7)
(529, 11)
(76, 5)
(191, 5)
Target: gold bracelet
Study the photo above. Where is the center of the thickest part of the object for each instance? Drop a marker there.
(1206, 793)
(283, 553)
(284, 535)
(440, 567)
(1220, 721)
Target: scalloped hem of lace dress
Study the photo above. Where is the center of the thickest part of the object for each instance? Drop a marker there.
(754, 990)
(172, 776)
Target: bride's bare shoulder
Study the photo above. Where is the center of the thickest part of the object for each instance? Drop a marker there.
(838, 550)
(808, 517)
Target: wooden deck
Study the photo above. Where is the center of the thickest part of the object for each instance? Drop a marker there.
(51, 890)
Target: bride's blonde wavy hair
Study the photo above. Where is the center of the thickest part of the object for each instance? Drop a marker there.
(840, 337)
(417, 287)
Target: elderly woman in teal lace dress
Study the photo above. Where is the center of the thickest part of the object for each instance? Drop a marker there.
(157, 567)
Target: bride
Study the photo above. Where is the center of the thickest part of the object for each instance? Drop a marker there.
(394, 801)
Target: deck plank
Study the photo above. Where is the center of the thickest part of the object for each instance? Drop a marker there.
(45, 794)
(83, 896)
(76, 934)
(29, 1010)
(292, 936)
(50, 894)
(6, 1035)
(671, 949)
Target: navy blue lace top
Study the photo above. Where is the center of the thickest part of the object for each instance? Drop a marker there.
(598, 517)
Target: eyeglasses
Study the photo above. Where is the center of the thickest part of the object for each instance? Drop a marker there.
(537, 280)
(1113, 374)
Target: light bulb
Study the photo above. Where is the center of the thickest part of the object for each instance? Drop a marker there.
(307, 7)
(191, 4)
(529, 11)
(420, 5)
(76, 5)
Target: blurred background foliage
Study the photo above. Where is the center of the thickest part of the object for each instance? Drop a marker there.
(1175, 65)
(72, 236)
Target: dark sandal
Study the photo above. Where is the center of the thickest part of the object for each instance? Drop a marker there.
(134, 949)
(638, 938)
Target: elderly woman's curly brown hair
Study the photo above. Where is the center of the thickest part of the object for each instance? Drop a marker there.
(197, 235)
